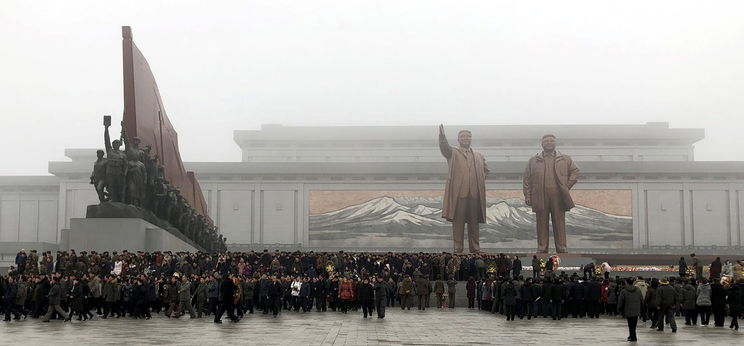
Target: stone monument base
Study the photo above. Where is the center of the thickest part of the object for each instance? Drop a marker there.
(118, 234)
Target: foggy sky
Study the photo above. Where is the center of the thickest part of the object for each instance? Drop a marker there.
(234, 65)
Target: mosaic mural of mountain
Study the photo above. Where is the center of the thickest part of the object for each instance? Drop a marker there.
(417, 222)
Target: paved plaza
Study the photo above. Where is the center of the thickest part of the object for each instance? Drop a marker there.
(432, 327)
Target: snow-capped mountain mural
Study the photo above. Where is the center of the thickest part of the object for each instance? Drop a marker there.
(414, 221)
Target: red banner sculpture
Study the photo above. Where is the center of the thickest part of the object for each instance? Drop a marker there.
(145, 117)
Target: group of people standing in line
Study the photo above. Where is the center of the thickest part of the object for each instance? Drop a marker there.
(106, 285)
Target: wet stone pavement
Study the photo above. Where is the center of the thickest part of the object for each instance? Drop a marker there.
(431, 327)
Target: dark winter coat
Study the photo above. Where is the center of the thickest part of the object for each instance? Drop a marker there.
(509, 294)
(55, 295)
(667, 296)
(689, 296)
(557, 293)
(629, 301)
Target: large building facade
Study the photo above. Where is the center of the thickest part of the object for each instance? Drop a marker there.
(380, 187)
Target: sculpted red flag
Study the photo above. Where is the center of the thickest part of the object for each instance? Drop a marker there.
(145, 117)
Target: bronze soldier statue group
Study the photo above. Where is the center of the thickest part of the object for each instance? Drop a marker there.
(135, 177)
(237, 284)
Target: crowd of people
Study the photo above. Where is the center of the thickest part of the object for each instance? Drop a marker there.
(138, 284)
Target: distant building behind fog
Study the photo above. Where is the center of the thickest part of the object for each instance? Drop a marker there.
(676, 203)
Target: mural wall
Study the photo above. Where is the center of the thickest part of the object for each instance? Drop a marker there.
(343, 218)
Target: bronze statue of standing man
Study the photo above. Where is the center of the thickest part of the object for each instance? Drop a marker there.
(547, 180)
(465, 192)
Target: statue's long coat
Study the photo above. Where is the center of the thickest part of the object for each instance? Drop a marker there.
(567, 174)
(456, 179)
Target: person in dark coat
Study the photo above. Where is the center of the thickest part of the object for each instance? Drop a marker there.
(9, 298)
(528, 298)
(689, 297)
(516, 267)
(227, 296)
(682, 266)
(667, 298)
(652, 303)
(715, 269)
(305, 296)
(557, 296)
(735, 302)
(20, 261)
(470, 287)
(593, 296)
(535, 267)
(718, 302)
(55, 297)
(629, 305)
(275, 295)
(366, 297)
(76, 301)
(380, 289)
(509, 294)
(576, 294)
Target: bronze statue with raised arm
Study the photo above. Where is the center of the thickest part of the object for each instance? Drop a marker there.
(116, 165)
(465, 191)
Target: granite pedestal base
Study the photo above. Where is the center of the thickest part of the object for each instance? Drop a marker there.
(118, 234)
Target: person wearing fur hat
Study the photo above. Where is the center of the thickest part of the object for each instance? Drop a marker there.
(667, 298)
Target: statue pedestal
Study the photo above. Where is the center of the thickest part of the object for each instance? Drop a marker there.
(118, 234)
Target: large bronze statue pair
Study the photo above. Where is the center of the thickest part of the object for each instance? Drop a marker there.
(548, 178)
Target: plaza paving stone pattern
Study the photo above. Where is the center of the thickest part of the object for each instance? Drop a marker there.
(459, 326)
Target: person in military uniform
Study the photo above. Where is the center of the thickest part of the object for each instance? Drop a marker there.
(184, 297)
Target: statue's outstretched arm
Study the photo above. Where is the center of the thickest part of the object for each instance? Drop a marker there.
(444, 146)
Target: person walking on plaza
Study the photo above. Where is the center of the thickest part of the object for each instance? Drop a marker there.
(650, 304)
(227, 305)
(201, 297)
(667, 298)
(422, 291)
(346, 295)
(55, 297)
(76, 301)
(366, 297)
(9, 300)
(381, 292)
(184, 297)
(629, 306)
(275, 295)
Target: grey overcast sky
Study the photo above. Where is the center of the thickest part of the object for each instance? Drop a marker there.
(227, 65)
